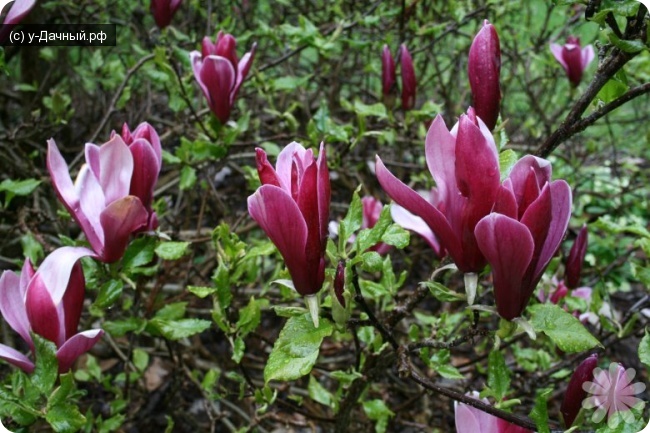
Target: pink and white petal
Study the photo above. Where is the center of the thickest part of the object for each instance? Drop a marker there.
(417, 205)
(440, 151)
(408, 221)
(61, 180)
(26, 274)
(588, 55)
(557, 50)
(119, 221)
(466, 420)
(242, 71)
(43, 314)
(76, 346)
(284, 163)
(91, 204)
(18, 10)
(14, 357)
(508, 247)
(12, 304)
(197, 63)
(116, 169)
(93, 159)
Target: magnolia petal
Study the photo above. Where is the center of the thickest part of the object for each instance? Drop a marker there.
(504, 426)
(508, 246)
(16, 358)
(93, 159)
(265, 170)
(573, 265)
(242, 71)
(56, 269)
(323, 189)
(575, 394)
(145, 171)
(417, 205)
(416, 224)
(483, 69)
(466, 421)
(148, 133)
(18, 10)
(61, 180)
(42, 312)
(588, 55)
(26, 274)
(12, 304)
(440, 152)
(75, 347)
(119, 220)
(226, 47)
(505, 202)
(218, 75)
(408, 78)
(556, 50)
(116, 169)
(208, 47)
(284, 163)
(73, 301)
(537, 219)
(308, 204)
(280, 218)
(197, 63)
(91, 204)
(387, 71)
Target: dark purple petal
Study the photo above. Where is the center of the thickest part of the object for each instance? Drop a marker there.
(227, 47)
(265, 170)
(145, 172)
(388, 78)
(119, 220)
(574, 394)
(218, 76)
(484, 68)
(408, 78)
(42, 312)
(73, 300)
(323, 190)
(76, 346)
(573, 266)
(508, 246)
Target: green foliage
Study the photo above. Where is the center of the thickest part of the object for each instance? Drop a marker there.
(562, 328)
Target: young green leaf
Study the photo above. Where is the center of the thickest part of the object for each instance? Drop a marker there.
(563, 328)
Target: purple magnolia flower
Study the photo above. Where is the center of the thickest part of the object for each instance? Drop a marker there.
(101, 200)
(47, 302)
(573, 265)
(573, 58)
(163, 11)
(146, 150)
(388, 78)
(17, 12)
(408, 78)
(292, 207)
(575, 394)
(519, 239)
(472, 420)
(484, 68)
(465, 166)
(219, 73)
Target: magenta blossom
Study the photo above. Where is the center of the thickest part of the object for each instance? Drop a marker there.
(484, 68)
(573, 58)
(408, 78)
(575, 394)
(146, 150)
(388, 78)
(465, 165)
(573, 265)
(531, 215)
(163, 11)
(101, 200)
(19, 10)
(47, 302)
(292, 207)
(472, 420)
(219, 73)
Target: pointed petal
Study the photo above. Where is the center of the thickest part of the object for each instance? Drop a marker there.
(14, 357)
(414, 203)
(207, 47)
(61, 180)
(440, 151)
(265, 170)
(285, 162)
(218, 76)
(147, 132)
(145, 171)
(197, 64)
(56, 269)
(42, 312)
(484, 68)
(26, 274)
(506, 203)
(587, 56)
(91, 204)
(408, 78)
(12, 304)
(323, 189)
(93, 159)
(116, 169)
(508, 246)
(574, 395)
(307, 201)
(387, 71)
(18, 10)
(75, 347)
(573, 265)
(73, 300)
(227, 48)
(119, 221)
(556, 50)
(242, 70)
(408, 221)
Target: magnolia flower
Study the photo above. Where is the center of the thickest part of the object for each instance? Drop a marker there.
(519, 239)
(146, 150)
(483, 69)
(19, 9)
(387, 76)
(408, 78)
(573, 265)
(163, 11)
(575, 394)
(47, 302)
(101, 200)
(292, 207)
(573, 58)
(465, 166)
(472, 420)
(219, 73)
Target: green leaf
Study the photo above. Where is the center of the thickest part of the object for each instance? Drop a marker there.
(238, 350)
(377, 410)
(644, 349)
(376, 110)
(139, 253)
(250, 315)
(172, 311)
(498, 375)
(352, 221)
(296, 350)
(177, 329)
(370, 237)
(539, 414)
(448, 371)
(31, 247)
(615, 87)
(65, 418)
(109, 292)
(563, 328)
(47, 366)
(633, 46)
(140, 359)
(13, 188)
(172, 250)
(119, 328)
(371, 261)
(188, 177)
(346, 378)
(441, 292)
(60, 394)
(202, 292)
(318, 393)
(507, 160)
(396, 236)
